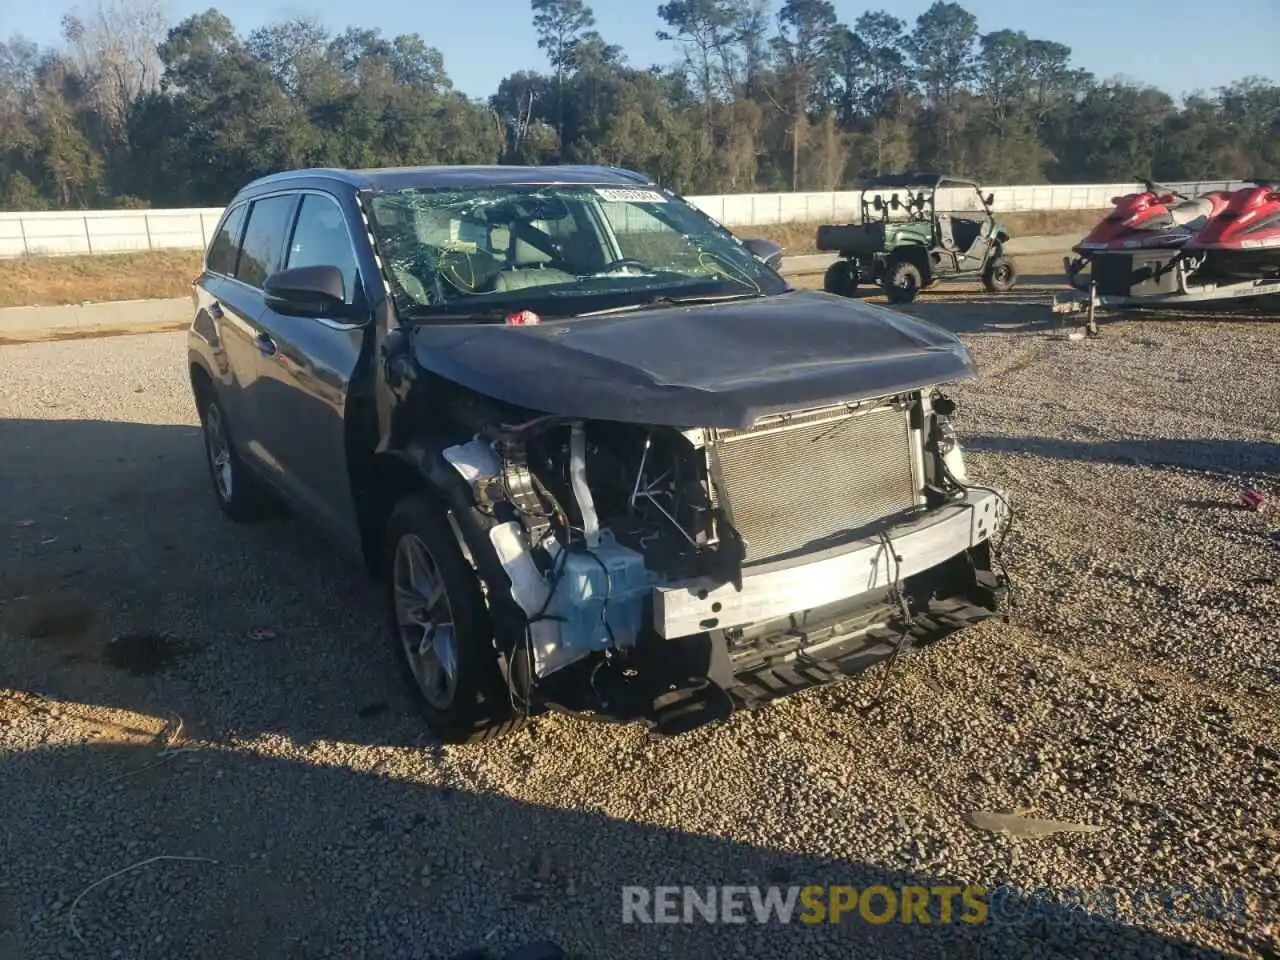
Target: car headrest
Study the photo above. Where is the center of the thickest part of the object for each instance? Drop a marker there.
(525, 252)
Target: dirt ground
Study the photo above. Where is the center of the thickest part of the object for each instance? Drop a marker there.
(220, 697)
(51, 281)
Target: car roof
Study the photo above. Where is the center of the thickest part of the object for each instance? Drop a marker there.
(461, 177)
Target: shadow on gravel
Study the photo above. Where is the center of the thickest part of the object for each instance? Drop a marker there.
(110, 532)
(125, 586)
(1247, 310)
(967, 308)
(969, 287)
(1233, 459)
(320, 860)
(122, 584)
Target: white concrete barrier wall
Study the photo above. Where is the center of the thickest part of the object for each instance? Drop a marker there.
(121, 231)
(105, 231)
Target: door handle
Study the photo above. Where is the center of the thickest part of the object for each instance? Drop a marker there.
(266, 346)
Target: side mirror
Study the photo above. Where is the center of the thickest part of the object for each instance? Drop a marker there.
(307, 292)
(991, 198)
(766, 251)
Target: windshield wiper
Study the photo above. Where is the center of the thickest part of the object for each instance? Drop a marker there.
(456, 316)
(500, 314)
(669, 301)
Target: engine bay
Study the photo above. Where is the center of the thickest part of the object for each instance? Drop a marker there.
(592, 516)
(649, 487)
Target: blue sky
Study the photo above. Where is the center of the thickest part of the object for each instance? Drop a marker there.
(1152, 42)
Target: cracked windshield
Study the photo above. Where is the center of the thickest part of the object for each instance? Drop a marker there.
(466, 250)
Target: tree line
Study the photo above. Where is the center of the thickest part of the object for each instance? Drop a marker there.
(129, 110)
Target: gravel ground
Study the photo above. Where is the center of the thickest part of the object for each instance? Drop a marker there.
(1133, 691)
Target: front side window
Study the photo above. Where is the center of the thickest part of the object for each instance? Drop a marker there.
(226, 243)
(320, 239)
(263, 246)
(558, 250)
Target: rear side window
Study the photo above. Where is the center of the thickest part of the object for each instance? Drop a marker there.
(222, 252)
(263, 246)
(320, 239)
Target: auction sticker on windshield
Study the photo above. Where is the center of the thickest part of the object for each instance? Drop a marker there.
(623, 195)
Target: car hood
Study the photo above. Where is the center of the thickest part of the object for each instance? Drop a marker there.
(709, 365)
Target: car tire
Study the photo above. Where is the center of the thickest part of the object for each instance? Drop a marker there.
(1000, 276)
(841, 278)
(240, 494)
(902, 281)
(439, 629)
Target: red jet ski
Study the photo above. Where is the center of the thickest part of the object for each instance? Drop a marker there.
(1158, 218)
(1242, 241)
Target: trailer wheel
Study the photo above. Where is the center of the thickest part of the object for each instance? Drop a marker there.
(902, 281)
(1000, 276)
(841, 278)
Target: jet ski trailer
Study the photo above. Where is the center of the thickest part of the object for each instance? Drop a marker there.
(1182, 289)
(1158, 218)
(1235, 255)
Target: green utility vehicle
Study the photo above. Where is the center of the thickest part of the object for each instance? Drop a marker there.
(905, 242)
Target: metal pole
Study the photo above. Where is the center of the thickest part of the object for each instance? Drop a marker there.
(87, 239)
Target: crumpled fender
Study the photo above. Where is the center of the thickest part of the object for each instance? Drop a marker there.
(425, 455)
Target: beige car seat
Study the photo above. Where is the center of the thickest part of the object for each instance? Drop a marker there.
(529, 269)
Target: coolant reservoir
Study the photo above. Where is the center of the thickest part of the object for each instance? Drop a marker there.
(588, 577)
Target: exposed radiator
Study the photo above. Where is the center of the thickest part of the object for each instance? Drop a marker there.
(799, 482)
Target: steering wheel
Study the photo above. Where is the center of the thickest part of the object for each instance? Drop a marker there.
(625, 262)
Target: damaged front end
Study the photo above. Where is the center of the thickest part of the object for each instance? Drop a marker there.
(634, 571)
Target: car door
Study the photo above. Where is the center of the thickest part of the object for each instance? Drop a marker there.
(306, 369)
(233, 308)
(240, 298)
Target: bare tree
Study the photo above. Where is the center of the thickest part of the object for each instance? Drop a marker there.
(561, 26)
(802, 49)
(114, 47)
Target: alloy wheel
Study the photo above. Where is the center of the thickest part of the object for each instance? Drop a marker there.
(425, 622)
(218, 447)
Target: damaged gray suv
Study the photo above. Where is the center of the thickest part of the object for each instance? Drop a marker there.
(600, 454)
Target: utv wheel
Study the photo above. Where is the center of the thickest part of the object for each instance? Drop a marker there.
(841, 278)
(439, 627)
(1000, 276)
(902, 281)
(240, 494)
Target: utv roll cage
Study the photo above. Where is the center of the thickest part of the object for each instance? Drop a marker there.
(921, 191)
